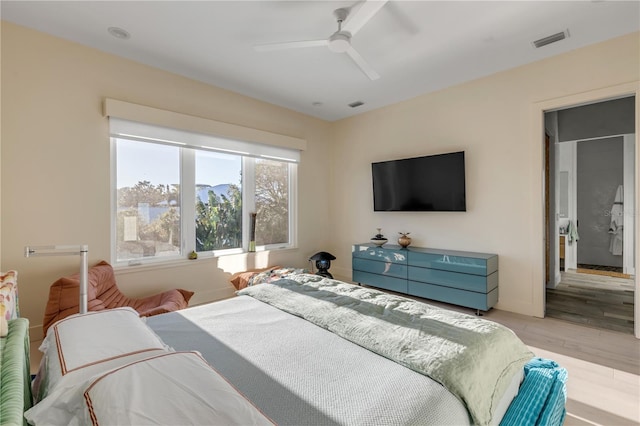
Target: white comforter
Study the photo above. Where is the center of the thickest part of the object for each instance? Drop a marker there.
(297, 373)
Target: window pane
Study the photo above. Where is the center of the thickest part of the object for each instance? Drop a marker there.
(148, 199)
(272, 202)
(218, 201)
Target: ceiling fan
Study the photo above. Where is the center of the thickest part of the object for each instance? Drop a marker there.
(340, 41)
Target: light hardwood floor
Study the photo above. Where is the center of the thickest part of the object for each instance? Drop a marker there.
(604, 366)
(596, 300)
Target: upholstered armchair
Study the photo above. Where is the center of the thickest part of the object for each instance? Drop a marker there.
(103, 293)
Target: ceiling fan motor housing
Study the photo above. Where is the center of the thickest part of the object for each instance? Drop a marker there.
(340, 41)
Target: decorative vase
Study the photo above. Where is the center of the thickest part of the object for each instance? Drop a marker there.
(252, 232)
(379, 239)
(404, 240)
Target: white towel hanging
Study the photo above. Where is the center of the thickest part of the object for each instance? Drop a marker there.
(617, 222)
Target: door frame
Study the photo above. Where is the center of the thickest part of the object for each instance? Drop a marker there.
(537, 191)
(628, 142)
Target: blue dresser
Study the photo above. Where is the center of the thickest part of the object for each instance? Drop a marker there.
(457, 277)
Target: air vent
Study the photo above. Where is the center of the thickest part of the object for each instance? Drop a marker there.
(119, 33)
(356, 104)
(551, 39)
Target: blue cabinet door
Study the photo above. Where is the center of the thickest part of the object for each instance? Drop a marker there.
(380, 281)
(454, 262)
(470, 299)
(388, 269)
(471, 282)
(393, 254)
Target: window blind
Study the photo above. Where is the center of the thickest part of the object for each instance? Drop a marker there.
(150, 124)
(167, 136)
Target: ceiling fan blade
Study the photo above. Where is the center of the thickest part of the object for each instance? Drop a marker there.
(365, 12)
(364, 65)
(289, 45)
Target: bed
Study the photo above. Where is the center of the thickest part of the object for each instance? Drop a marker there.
(298, 350)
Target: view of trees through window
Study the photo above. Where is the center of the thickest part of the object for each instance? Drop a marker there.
(272, 202)
(218, 204)
(148, 219)
(149, 211)
(219, 220)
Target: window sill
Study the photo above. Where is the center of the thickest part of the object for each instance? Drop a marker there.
(177, 263)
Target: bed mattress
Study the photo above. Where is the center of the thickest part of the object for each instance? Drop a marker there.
(300, 374)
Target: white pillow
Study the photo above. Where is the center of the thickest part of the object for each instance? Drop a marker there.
(90, 340)
(170, 388)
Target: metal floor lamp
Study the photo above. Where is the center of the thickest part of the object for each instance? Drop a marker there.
(79, 250)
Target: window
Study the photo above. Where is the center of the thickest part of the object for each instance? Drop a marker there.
(148, 200)
(272, 202)
(172, 197)
(218, 203)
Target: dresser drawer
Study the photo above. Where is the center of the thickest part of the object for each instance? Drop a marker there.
(381, 281)
(388, 269)
(477, 283)
(454, 296)
(380, 253)
(455, 263)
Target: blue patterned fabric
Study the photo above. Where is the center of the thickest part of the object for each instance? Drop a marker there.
(542, 396)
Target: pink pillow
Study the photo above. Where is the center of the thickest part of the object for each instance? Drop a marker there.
(240, 280)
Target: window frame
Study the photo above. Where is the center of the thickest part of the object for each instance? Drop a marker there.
(293, 201)
(188, 200)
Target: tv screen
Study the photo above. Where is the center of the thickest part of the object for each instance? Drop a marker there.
(430, 183)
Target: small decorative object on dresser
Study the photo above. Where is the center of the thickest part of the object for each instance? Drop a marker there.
(379, 239)
(404, 240)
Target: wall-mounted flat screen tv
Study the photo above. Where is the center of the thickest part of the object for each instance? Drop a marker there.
(429, 183)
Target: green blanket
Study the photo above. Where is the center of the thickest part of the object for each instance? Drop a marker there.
(474, 359)
(15, 374)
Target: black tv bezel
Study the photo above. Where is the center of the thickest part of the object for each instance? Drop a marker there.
(463, 207)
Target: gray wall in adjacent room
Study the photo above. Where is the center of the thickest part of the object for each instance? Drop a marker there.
(599, 172)
(616, 117)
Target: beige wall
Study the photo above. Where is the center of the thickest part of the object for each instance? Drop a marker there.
(55, 162)
(492, 119)
(56, 173)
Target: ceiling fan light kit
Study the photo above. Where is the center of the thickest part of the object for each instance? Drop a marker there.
(340, 41)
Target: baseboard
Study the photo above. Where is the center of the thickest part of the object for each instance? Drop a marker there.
(342, 274)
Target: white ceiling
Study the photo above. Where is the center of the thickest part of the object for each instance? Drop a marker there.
(416, 46)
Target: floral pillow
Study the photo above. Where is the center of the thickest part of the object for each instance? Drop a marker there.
(241, 280)
(274, 275)
(8, 300)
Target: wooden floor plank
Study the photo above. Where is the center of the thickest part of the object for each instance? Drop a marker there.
(602, 302)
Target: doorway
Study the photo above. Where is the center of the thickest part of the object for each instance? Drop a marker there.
(599, 188)
(590, 250)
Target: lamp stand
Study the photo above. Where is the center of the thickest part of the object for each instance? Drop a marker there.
(81, 250)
